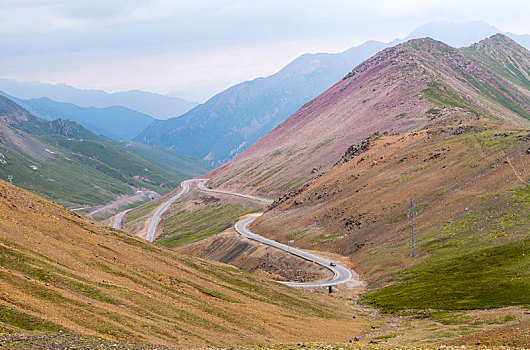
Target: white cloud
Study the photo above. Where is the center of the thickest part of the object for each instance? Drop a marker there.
(205, 45)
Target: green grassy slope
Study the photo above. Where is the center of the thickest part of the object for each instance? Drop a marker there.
(184, 227)
(85, 172)
(478, 260)
(65, 162)
(181, 164)
(505, 57)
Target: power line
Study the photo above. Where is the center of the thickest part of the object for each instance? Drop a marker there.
(413, 249)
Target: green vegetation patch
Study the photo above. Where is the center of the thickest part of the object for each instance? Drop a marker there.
(298, 234)
(141, 211)
(433, 111)
(441, 95)
(492, 277)
(190, 226)
(324, 238)
(25, 321)
(505, 67)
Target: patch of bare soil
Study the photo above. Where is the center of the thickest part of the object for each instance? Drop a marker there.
(231, 248)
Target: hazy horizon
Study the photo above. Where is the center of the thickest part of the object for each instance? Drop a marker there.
(196, 50)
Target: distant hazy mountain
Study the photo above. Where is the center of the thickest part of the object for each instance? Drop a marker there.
(234, 119)
(155, 105)
(116, 122)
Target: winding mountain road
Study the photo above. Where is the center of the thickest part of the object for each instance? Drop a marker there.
(161, 209)
(116, 203)
(118, 219)
(341, 273)
(202, 187)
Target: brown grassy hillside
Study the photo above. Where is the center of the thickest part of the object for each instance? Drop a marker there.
(361, 204)
(470, 185)
(61, 271)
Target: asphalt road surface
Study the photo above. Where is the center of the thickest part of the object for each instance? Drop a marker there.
(161, 209)
(202, 186)
(118, 219)
(342, 274)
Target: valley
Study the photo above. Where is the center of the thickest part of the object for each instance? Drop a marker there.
(463, 160)
(390, 210)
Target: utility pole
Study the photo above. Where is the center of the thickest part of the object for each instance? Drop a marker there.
(413, 251)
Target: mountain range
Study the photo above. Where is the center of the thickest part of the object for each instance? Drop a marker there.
(234, 119)
(116, 122)
(420, 127)
(64, 161)
(410, 86)
(152, 104)
(412, 169)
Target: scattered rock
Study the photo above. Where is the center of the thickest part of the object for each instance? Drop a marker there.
(355, 150)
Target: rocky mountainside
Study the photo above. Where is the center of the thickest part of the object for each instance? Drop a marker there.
(61, 272)
(233, 120)
(505, 57)
(462, 168)
(12, 113)
(469, 183)
(411, 86)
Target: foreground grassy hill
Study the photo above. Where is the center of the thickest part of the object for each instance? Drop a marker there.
(61, 271)
(71, 165)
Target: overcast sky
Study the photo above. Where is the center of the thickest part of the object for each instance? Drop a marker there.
(199, 47)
